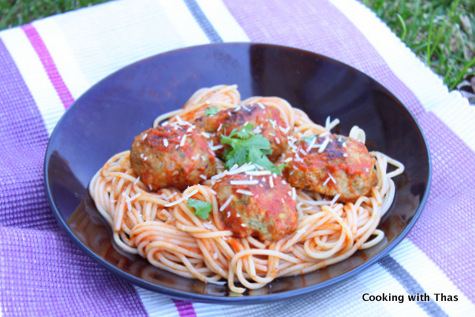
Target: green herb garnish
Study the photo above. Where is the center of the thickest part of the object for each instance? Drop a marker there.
(248, 147)
(202, 209)
(211, 111)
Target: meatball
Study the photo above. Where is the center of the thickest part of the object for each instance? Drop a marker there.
(264, 209)
(344, 166)
(267, 121)
(168, 157)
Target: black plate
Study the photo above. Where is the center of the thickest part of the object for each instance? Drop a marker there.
(106, 118)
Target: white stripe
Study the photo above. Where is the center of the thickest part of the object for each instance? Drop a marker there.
(210, 310)
(118, 33)
(451, 108)
(184, 23)
(459, 116)
(35, 76)
(431, 278)
(63, 57)
(222, 21)
(378, 281)
(157, 305)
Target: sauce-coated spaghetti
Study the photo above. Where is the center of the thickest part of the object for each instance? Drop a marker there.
(159, 224)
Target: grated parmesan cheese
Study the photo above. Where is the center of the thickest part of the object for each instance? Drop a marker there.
(249, 182)
(258, 173)
(217, 147)
(335, 199)
(285, 130)
(324, 145)
(186, 197)
(271, 182)
(245, 192)
(183, 139)
(226, 203)
(312, 143)
(331, 124)
(272, 122)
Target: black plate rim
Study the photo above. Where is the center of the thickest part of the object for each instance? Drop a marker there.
(257, 299)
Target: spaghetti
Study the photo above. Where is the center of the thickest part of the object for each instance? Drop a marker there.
(161, 227)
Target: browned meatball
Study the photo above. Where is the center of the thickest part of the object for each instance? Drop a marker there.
(264, 210)
(267, 121)
(162, 158)
(343, 167)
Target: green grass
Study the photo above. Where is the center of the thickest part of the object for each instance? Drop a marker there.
(18, 12)
(440, 32)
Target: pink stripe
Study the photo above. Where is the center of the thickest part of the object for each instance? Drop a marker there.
(49, 65)
(185, 308)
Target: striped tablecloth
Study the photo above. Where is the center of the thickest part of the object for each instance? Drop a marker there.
(46, 65)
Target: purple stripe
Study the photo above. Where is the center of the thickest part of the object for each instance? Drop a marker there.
(447, 241)
(42, 272)
(48, 64)
(23, 138)
(321, 28)
(445, 230)
(185, 308)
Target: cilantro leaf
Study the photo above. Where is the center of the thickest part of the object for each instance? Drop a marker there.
(248, 147)
(202, 208)
(245, 132)
(260, 159)
(259, 142)
(211, 111)
(236, 156)
(263, 161)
